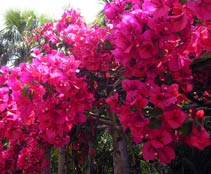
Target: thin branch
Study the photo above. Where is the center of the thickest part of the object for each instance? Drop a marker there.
(195, 106)
(103, 120)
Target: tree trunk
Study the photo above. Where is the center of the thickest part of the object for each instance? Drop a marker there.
(89, 159)
(120, 154)
(48, 157)
(61, 161)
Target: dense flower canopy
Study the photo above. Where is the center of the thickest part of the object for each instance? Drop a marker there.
(145, 53)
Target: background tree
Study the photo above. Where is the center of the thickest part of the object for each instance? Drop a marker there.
(100, 18)
(14, 37)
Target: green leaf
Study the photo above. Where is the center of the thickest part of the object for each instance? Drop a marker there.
(44, 97)
(186, 128)
(203, 61)
(152, 112)
(207, 122)
(183, 1)
(156, 112)
(25, 90)
(31, 94)
(128, 6)
(107, 45)
(146, 111)
(155, 123)
(133, 109)
(5, 143)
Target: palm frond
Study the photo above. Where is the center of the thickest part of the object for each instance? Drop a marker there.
(13, 48)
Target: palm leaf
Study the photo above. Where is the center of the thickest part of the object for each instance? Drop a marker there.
(14, 49)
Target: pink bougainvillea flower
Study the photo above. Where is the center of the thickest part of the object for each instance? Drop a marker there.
(204, 36)
(159, 138)
(156, 8)
(164, 96)
(200, 114)
(4, 70)
(184, 77)
(199, 138)
(169, 42)
(138, 128)
(69, 17)
(178, 19)
(175, 117)
(4, 97)
(113, 102)
(179, 22)
(136, 93)
(32, 157)
(142, 55)
(135, 99)
(149, 152)
(200, 8)
(136, 86)
(148, 48)
(165, 154)
(30, 119)
(112, 11)
(177, 61)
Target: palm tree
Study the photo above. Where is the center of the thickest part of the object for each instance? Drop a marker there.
(100, 18)
(18, 25)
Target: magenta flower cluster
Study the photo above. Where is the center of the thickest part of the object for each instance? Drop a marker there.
(154, 42)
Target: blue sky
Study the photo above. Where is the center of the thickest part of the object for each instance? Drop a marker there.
(53, 8)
